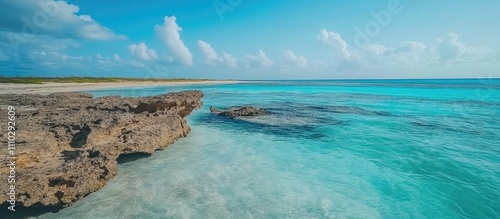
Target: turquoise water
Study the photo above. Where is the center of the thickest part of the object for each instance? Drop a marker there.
(330, 149)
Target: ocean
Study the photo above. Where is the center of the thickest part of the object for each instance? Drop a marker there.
(329, 149)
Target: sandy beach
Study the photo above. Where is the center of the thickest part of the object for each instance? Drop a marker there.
(48, 88)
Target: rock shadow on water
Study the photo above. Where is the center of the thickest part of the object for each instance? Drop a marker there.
(26, 212)
(307, 131)
(317, 109)
(127, 158)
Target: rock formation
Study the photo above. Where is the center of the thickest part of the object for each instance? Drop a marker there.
(67, 144)
(239, 111)
(213, 110)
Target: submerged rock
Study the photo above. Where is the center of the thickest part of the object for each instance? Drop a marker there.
(67, 144)
(240, 111)
(213, 110)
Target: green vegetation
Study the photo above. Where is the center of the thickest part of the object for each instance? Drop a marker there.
(41, 80)
(21, 80)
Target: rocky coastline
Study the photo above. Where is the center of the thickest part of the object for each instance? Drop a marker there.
(67, 144)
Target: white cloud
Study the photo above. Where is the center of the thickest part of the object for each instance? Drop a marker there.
(334, 40)
(33, 55)
(229, 60)
(68, 57)
(375, 49)
(410, 47)
(169, 34)
(260, 60)
(109, 63)
(141, 52)
(47, 56)
(212, 58)
(406, 54)
(208, 52)
(410, 53)
(60, 60)
(117, 58)
(54, 18)
(291, 59)
(451, 49)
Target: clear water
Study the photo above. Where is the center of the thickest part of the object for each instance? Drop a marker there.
(331, 149)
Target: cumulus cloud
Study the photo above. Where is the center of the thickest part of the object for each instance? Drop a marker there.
(58, 60)
(259, 60)
(404, 54)
(409, 53)
(212, 58)
(49, 17)
(96, 61)
(291, 59)
(450, 49)
(47, 56)
(228, 60)
(334, 40)
(410, 47)
(21, 57)
(141, 52)
(117, 58)
(169, 34)
(375, 55)
(36, 36)
(208, 52)
(375, 49)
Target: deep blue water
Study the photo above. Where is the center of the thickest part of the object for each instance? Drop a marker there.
(330, 149)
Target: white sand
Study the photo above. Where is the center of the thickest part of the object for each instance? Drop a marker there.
(47, 88)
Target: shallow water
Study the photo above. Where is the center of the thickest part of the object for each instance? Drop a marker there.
(330, 149)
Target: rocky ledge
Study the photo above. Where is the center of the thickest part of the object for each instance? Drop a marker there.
(239, 111)
(67, 144)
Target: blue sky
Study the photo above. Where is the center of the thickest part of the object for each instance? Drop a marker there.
(251, 39)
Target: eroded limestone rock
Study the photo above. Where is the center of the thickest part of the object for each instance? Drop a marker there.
(67, 143)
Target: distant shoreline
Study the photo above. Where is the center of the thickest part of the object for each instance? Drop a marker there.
(54, 87)
(48, 85)
(41, 80)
